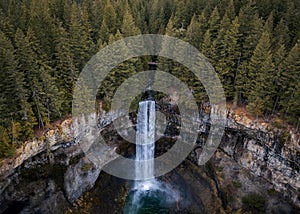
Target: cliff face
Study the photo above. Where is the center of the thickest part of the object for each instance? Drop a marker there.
(42, 180)
(272, 155)
(266, 155)
(47, 174)
(53, 139)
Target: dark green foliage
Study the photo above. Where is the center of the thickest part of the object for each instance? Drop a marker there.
(6, 148)
(44, 44)
(260, 73)
(254, 203)
(272, 192)
(237, 184)
(290, 101)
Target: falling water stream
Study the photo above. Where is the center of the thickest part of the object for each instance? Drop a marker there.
(148, 194)
(145, 138)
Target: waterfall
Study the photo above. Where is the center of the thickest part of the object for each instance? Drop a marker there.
(148, 193)
(145, 141)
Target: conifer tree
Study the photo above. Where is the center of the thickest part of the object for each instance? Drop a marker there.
(42, 25)
(82, 46)
(261, 70)
(128, 26)
(180, 18)
(6, 26)
(156, 16)
(196, 29)
(214, 23)
(64, 68)
(104, 32)
(110, 17)
(227, 54)
(269, 24)
(280, 34)
(16, 111)
(278, 60)
(251, 27)
(291, 87)
(207, 46)
(170, 28)
(230, 10)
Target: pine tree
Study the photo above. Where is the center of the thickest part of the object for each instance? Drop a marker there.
(95, 16)
(230, 10)
(15, 110)
(292, 18)
(241, 81)
(251, 27)
(110, 17)
(291, 87)
(43, 91)
(180, 19)
(8, 65)
(82, 46)
(163, 63)
(23, 55)
(156, 16)
(6, 149)
(261, 71)
(214, 23)
(207, 46)
(128, 26)
(269, 24)
(170, 28)
(278, 60)
(64, 68)
(227, 54)
(6, 26)
(195, 30)
(104, 32)
(42, 25)
(280, 33)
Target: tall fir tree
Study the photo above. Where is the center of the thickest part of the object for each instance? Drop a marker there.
(261, 71)
(226, 54)
(214, 23)
(82, 46)
(290, 101)
(128, 26)
(64, 68)
(251, 26)
(278, 60)
(196, 29)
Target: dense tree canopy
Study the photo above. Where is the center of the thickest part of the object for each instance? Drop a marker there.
(254, 46)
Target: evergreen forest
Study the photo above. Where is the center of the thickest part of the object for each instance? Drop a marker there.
(254, 46)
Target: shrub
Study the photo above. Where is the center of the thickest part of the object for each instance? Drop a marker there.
(278, 124)
(254, 203)
(272, 191)
(284, 137)
(86, 167)
(237, 184)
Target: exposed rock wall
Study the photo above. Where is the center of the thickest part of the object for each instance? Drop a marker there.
(266, 155)
(59, 137)
(252, 145)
